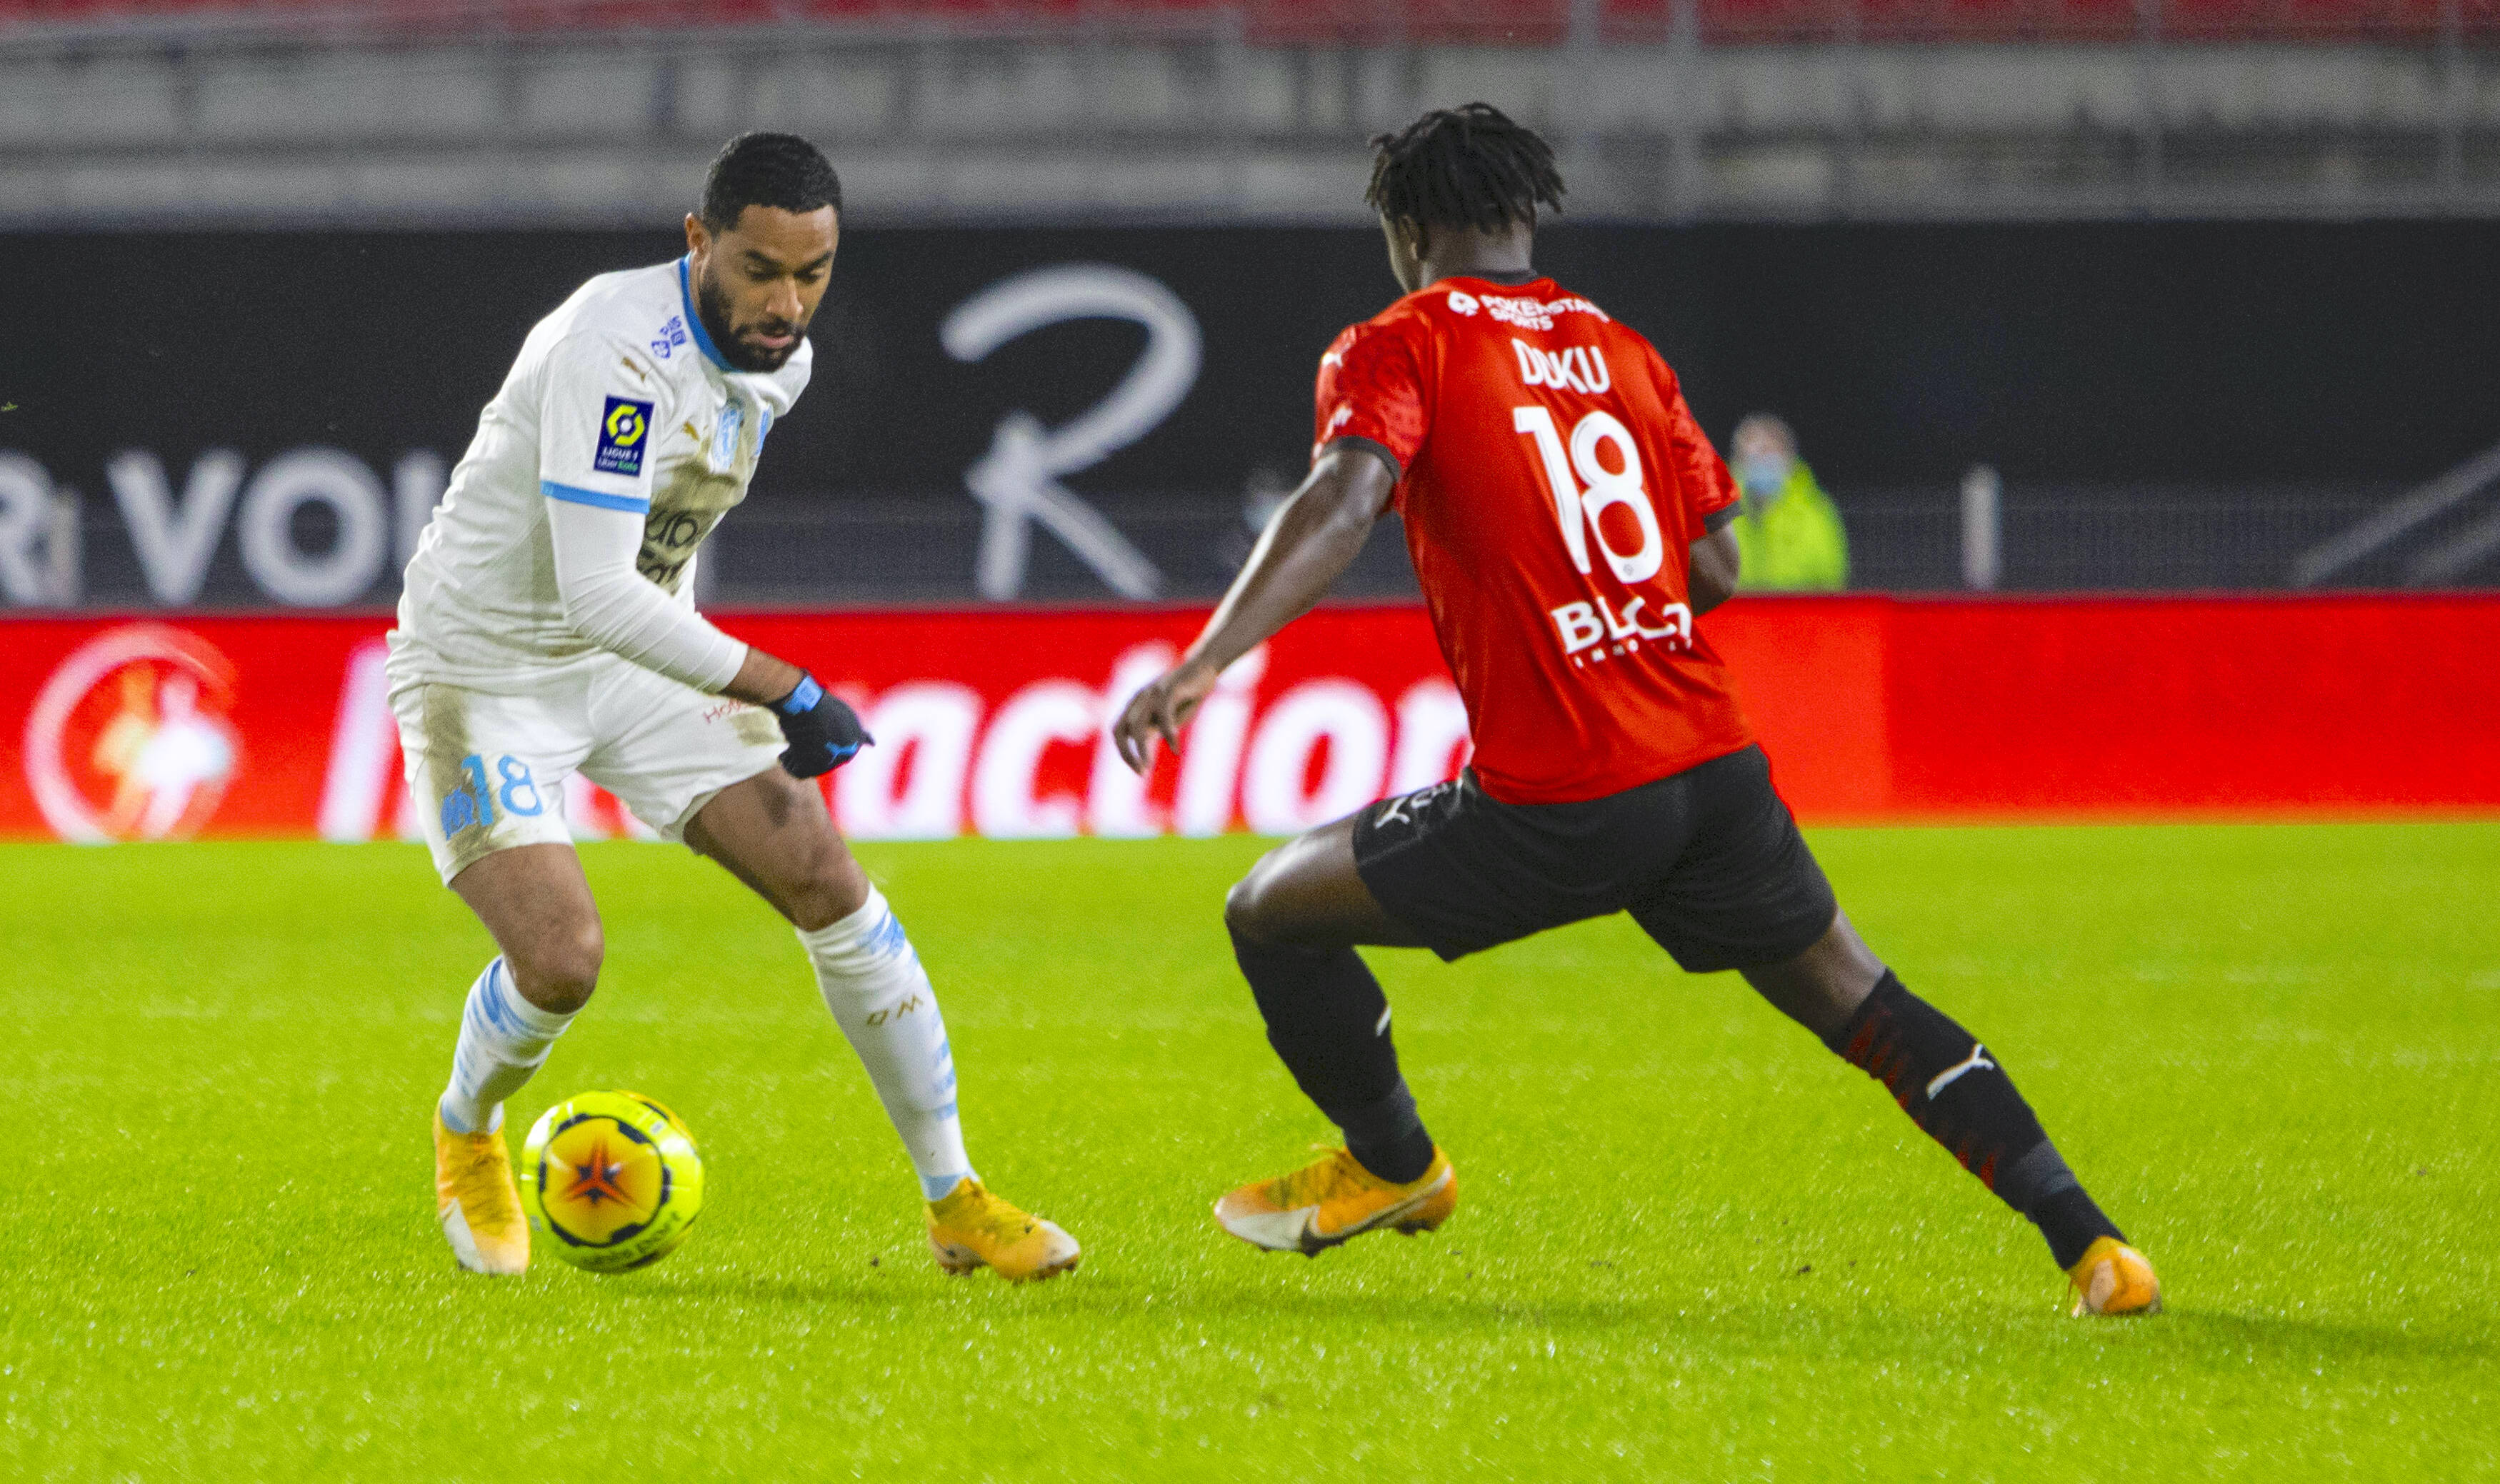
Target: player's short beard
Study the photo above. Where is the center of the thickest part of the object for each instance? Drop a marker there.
(712, 305)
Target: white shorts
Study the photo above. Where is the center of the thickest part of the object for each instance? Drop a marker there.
(488, 765)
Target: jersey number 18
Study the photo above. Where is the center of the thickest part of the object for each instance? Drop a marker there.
(1582, 512)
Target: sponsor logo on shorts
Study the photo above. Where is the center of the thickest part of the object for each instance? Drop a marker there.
(1408, 808)
(624, 429)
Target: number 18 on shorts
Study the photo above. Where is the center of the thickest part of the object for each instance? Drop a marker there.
(476, 803)
(488, 767)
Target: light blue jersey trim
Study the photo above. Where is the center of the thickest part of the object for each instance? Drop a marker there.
(694, 321)
(630, 504)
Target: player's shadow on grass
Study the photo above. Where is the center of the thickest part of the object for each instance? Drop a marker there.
(767, 1290)
(1121, 1297)
(2275, 1337)
(1763, 1325)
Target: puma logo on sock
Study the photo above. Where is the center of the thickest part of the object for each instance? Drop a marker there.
(1977, 1059)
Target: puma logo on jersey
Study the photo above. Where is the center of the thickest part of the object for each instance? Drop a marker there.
(1575, 368)
(1977, 1059)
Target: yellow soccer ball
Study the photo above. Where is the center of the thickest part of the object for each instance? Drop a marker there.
(610, 1180)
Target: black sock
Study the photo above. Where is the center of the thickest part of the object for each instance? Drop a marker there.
(1953, 1087)
(1330, 1022)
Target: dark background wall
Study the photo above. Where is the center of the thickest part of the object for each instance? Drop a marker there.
(2309, 357)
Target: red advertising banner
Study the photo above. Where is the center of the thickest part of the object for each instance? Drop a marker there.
(991, 722)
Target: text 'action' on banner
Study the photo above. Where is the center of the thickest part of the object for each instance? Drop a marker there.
(993, 722)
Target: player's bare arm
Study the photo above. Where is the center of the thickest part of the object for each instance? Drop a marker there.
(1306, 546)
(1716, 560)
(762, 679)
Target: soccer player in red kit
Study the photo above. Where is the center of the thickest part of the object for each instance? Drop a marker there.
(1568, 523)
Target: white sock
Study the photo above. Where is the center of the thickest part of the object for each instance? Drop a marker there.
(502, 1039)
(872, 982)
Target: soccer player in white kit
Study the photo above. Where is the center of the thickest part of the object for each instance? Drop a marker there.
(547, 627)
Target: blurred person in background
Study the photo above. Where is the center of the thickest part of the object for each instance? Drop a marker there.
(1789, 531)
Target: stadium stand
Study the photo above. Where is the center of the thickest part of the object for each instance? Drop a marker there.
(1505, 22)
(443, 115)
(557, 112)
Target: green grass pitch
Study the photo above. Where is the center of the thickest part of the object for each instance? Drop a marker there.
(1692, 1246)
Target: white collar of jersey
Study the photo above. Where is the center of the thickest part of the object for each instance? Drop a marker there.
(693, 320)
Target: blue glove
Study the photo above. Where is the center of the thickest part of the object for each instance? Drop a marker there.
(823, 731)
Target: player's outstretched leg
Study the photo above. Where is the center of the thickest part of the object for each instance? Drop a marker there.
(1955, 1089)
(773, 834)
(534, 901)
(872, 981)
(1293, 922)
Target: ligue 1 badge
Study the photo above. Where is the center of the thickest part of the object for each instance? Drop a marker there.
(624, 429)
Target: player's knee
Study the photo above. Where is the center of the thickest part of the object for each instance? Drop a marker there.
(827, 889)
(823, 901)
(1241, 908)
(558, 971)
(1254, 909)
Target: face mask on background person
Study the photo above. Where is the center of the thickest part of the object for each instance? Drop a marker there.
(1763, 474)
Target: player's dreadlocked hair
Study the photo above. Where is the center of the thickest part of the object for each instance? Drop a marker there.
(1464, 167)
(782, 171)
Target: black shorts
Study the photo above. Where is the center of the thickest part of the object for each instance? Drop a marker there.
(1708, 862)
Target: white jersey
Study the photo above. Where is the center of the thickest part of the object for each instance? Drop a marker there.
(619, 402)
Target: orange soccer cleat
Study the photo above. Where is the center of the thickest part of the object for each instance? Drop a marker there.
(478, 1202)
(969, 1229)
(2114, 1278)
(1333, 1198)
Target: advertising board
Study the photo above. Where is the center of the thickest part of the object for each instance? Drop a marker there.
(990, 721)
(265, 419)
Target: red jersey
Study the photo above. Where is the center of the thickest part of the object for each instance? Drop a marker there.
(1553, 483)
